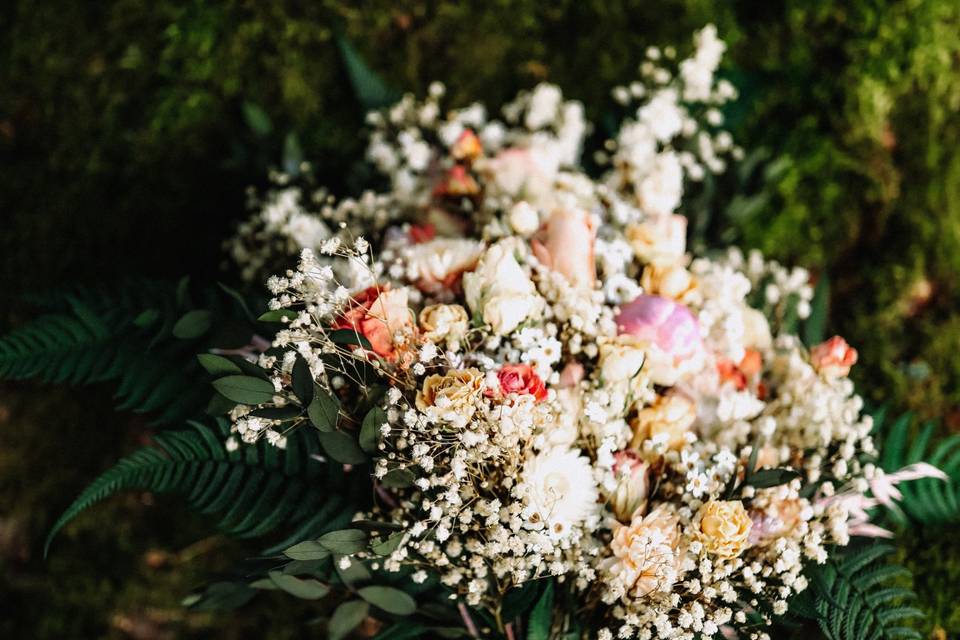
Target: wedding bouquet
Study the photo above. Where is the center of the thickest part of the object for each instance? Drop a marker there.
(505, 401)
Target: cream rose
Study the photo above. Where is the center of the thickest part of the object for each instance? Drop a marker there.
(499, 289)
(673, 281)
(452, 396)
(621, 358)
(444, 322)
(670, 417)
(660, 242)
(437, 264)
(724, 528)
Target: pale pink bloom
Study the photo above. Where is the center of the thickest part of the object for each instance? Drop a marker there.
(565, 245)
(571, 375)
(884, 486)
(834, 357)
(672, 332)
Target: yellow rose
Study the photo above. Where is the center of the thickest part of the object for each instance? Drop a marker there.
(444, 322)
(724, 528)
(671, 415)
(452, 396)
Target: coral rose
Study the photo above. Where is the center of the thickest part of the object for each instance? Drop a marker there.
(521, 379)
(378, 314)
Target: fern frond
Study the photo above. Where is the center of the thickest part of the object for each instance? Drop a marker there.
(929, 500)
(850, 597)
(252, 491)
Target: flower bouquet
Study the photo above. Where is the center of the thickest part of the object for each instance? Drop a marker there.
(499, 398)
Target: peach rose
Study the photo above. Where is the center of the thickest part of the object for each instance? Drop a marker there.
(378, 314)
(669, 416)
(467, 147)
(565, 245)
(452, 395)
(444, 322)
(833, 358)
(646, 554)
(672, 281)
(724, 528)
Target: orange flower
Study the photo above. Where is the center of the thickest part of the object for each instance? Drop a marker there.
(834, 357)
(457, 182)
(467, 147)
(378, 314)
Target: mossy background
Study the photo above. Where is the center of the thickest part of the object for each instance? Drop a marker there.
(125, 150)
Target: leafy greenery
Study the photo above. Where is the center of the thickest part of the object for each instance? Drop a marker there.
(928, 501)
(850, 597)
(253, 491)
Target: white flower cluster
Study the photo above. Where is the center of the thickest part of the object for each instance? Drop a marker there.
(562, 391)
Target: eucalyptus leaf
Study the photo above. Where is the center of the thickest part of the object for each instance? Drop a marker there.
(307, 589)
(344, 542)
(265, 584)
(277, 413)
(389, 599)
(278, 315)
(308, 550)
(324, 410)
(218, 365)
(302, 381)
(257, 119)
(388, 546)
(766, 478)
(370, 430)
(346, 618)
(146, 318)
(245, 389)
(193, 324)
(342, 447)
(221, 596)
(350, 337)
(398, 479)
(354, 572)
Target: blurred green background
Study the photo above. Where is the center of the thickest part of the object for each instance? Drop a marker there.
(125, 151)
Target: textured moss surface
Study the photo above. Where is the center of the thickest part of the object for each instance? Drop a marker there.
(125, 149)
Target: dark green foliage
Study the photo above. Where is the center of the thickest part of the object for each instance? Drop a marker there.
(929, 501)
(850, 597)
(252, 491)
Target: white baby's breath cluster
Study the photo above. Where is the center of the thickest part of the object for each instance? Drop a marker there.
(557, 387)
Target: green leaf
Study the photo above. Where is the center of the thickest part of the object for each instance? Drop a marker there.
(324, 410)
(221, 596)
(344, 542)
(302, 381)
(308, 550)
(146, 318)
(538, 627)
(288, 412)
(350, 337)
(245, 389)
(388, 546)
(305, 588)
(370, 430)
(278, 315)
(342, 447)
(193, 324)
(389, 599)
(218, 365)
(398, 479)
(292, 154)
(766, 478)
(257, 119)
(346, 618)
(815, 325)
(371, 91)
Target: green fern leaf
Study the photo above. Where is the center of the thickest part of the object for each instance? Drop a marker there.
(253, 491)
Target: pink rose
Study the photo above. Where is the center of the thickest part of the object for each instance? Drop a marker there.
(521, 379)
(834, 357)
(629, 499)
(377, 314)
(672, 333)
(565, 245)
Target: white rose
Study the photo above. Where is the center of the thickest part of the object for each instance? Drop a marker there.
(499, 289)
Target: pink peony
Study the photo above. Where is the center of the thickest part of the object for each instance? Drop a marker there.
(565, 245)
(672, 332)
